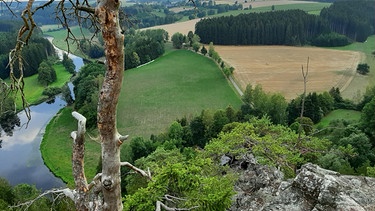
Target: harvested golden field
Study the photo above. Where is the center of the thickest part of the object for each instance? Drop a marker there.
(278, 68)
(182, 27)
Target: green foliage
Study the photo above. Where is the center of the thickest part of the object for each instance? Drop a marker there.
(306, 124)
(6, 192)
(8, 116)
(371, 171)
(21, 193)
(46, 73)
(358, 14)
(204, 50)
(316, 105)
(178, 39)
(68, 64)
(258, 103)
(363, 69)
(67, 95)
(86, 91)
(143, 46)
(198, 181)
(25, 192)
(211, 49)
(51, 91)
(274, 145)
(290, 24)
(90, 48)
(337, 160)
(196, 46)
(367, 120)
(331, 40)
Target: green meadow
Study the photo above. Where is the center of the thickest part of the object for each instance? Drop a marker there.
(349, 115)
(60, 38)
(359, 83)
(56, 148)
(181, 83)
(33, 89)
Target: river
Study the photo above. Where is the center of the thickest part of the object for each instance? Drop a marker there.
(20, 157)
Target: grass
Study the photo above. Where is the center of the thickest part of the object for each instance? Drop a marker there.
(358, 86)
(56, 148)
(339, 114)
(60, 36)
(33, 89)
(179, 84)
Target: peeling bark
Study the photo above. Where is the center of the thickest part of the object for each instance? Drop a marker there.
(107, 12)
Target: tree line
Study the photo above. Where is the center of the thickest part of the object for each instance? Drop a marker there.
(37, 50)
(354, 19)
(292, 27)
(143, 46)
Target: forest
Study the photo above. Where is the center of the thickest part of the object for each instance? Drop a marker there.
(35, 52)
(338, 25)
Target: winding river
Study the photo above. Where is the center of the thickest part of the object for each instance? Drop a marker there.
(20, 157)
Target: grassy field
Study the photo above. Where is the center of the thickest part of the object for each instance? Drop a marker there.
(56, 148)
(182, 83)
(337, 115)
(359, 83)
(60, 36)
(33, 89)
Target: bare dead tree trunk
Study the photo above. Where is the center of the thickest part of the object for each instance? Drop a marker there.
(304, 75)
(87, 196)
(107, 12)
(78, 156)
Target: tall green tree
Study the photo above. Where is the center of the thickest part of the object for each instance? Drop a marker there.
(367, 120)
(46, 74)
(68, 63)
(178, 39)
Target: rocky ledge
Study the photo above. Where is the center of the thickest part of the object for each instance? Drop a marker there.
(263, 188)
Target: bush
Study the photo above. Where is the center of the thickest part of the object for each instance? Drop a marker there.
(363, 68)
(331, 40)
(51, 91)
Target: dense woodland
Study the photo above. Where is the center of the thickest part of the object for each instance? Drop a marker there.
(34, 53)
(293, 27)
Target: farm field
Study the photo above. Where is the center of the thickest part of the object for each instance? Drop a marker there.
(181, 83)
(278, 68)
(258, 6)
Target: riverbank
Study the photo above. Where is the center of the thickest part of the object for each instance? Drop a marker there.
(33, 89)
(56, 148)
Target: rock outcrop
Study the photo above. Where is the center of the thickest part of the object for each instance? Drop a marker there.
(262, 188)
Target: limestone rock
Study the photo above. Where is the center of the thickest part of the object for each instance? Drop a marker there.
(314, 188)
